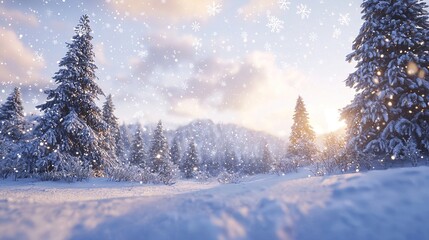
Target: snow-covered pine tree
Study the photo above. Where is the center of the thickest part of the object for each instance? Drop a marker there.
(137, 152)
(267, 159)
(12, 116)
(175, 151)
(12, 133)
(113, 137)
(190, 161)
(126, 140)
(69, 134)
(159, 156)
(390, 109)
(301, 141)
(231, 163)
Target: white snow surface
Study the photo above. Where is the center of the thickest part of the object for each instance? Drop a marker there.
(384, 204)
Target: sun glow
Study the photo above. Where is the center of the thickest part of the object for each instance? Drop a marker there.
(330, 123)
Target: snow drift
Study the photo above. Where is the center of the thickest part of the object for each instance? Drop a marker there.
(388, 204)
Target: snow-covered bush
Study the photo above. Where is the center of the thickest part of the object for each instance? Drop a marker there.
(226, 177)
(74, 171)
(331, 159)
(284, 166)
(131, 173)
(202, 176)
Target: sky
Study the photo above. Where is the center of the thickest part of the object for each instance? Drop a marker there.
(232, 61)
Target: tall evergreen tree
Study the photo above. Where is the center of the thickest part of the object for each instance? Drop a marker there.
(231, 163)
(12, 116)
(301, 140)
(267, 159)
(137, 152)
(390, 109)
(69, 134)
(190, 161)
(175, 151)
(113, 137)
(159, 155)
(12, 133)
(126, 140)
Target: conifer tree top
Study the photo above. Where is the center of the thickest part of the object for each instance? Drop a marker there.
(12, 109)
(72, 126)
(301, 127)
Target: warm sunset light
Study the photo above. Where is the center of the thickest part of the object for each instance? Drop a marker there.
(214, 119)
(242, 63)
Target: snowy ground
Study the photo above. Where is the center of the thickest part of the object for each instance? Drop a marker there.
(390, 204)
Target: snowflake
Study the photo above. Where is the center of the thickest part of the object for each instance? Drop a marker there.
(38, 57)
(214, 8)
(34, 100)
(313, 36)
(337, 33)
(275, 24)
(197, 44)
(303, 11)
(142, 53)
(344, 19)
(195, 26)
(284, 4)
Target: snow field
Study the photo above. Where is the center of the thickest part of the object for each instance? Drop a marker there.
(386, 204)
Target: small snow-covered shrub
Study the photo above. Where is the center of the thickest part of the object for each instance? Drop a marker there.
(324, 167)
(226, 177)
(202, 176)
(74, 172)
(332, 158)
(131, 173)
(286, 166)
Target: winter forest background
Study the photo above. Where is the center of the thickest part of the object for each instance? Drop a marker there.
(76, 133)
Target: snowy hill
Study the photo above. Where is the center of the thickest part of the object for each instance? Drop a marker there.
(213, 138)
(388, 204)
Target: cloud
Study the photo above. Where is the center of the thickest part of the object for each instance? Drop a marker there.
(251, 92)
(16, 16)
(254, 92)
(222, 82)
(164, 52)
(256, 8)
(164, 10)
(227, 83)
(18, 64)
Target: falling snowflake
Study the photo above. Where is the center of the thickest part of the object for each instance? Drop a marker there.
(195, 26)
(284, 4)
(275, 24)
(34, 101)
(142, 53)
(214, 8)
(303, 11)
(197, 44)
(344, 19)
(337, 33)
(313, 36)
(38, 57)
